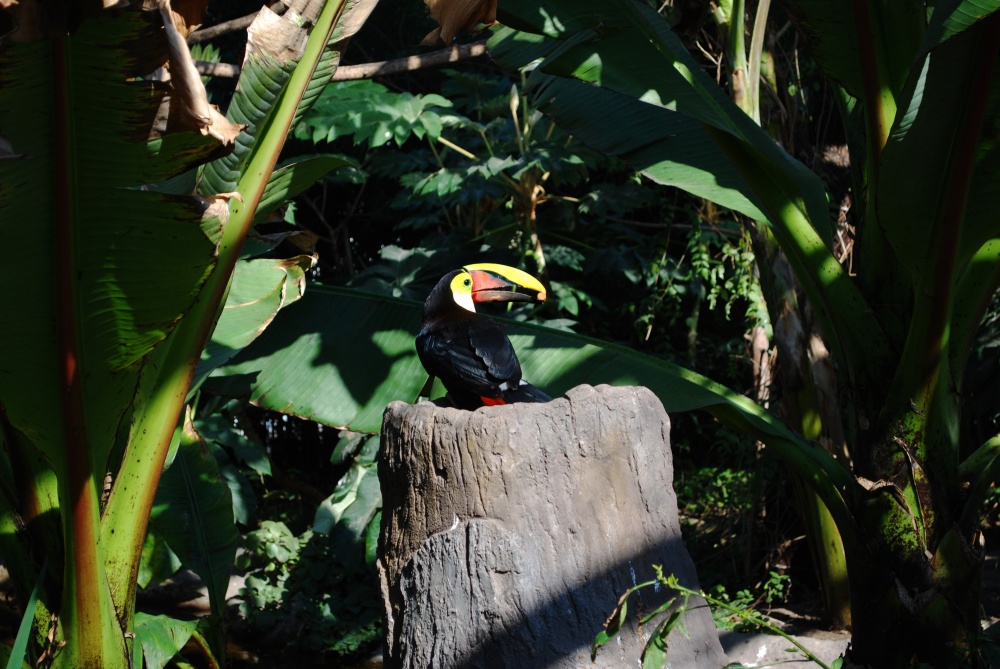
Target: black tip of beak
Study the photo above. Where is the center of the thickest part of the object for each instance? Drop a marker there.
(513, 295)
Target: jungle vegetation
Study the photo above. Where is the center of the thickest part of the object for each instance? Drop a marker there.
(779, 218)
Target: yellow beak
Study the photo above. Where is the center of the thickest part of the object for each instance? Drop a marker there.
(492, 283)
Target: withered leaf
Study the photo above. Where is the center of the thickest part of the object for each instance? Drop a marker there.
(217, 206)
(188, 14)
(189, 106)
(276, 35)
(454, 16)
(304, 240)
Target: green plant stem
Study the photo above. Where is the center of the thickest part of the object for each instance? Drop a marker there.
(454, 147)
(757, 54)
(127, 512)
(86, 612)
(748, 615)
(879, 100)
(126, 515)
(743, 94)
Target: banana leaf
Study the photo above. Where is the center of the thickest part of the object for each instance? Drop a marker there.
(339, 356)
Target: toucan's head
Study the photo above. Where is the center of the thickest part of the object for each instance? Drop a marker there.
(485, 282)
(489, 282)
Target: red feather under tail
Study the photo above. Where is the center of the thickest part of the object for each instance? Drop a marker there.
(492, 402)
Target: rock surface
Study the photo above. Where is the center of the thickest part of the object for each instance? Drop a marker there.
(767, 650)
(509, 533)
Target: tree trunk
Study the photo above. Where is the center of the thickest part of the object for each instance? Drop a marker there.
(509, 533)
(911, 609)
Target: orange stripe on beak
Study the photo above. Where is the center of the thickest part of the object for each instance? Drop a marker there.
(490, 287)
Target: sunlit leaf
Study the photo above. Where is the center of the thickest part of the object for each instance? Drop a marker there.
(161, 637)
(291, 179)
(370, 113)
(308, 364)
(259, 289)
(950, 17)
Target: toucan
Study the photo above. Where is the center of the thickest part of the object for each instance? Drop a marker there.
(468, 351)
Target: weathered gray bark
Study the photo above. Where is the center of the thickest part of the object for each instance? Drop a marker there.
(509, 533)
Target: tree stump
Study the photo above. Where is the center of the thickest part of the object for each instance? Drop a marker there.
(510, 532)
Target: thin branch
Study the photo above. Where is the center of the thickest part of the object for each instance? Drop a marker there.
(211, 32)
(452, 54)
(369, 70)
(220, 70)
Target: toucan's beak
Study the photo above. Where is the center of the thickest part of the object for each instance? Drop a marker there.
(500, 283)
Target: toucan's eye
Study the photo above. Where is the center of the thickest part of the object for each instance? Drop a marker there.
(467, 282)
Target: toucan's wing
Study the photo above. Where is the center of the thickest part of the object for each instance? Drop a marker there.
(496, 352)
(525, 393)
(450, 355)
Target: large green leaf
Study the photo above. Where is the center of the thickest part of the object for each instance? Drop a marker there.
(267, 67)
(330, 357)
(292, 178)
(945, 232)
(122, 265)
(259, 289)
(934, 143)
(161, 637)
(105, 271)
(848, 39)
(269, 72)
(951, 17)
(340, 356)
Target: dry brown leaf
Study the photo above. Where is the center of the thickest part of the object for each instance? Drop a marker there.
(189, 106)
(454, 16)
(217, 206)
(304, 240)
(276, 35)
(188, 14)
(297, 280)
(303, 262)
